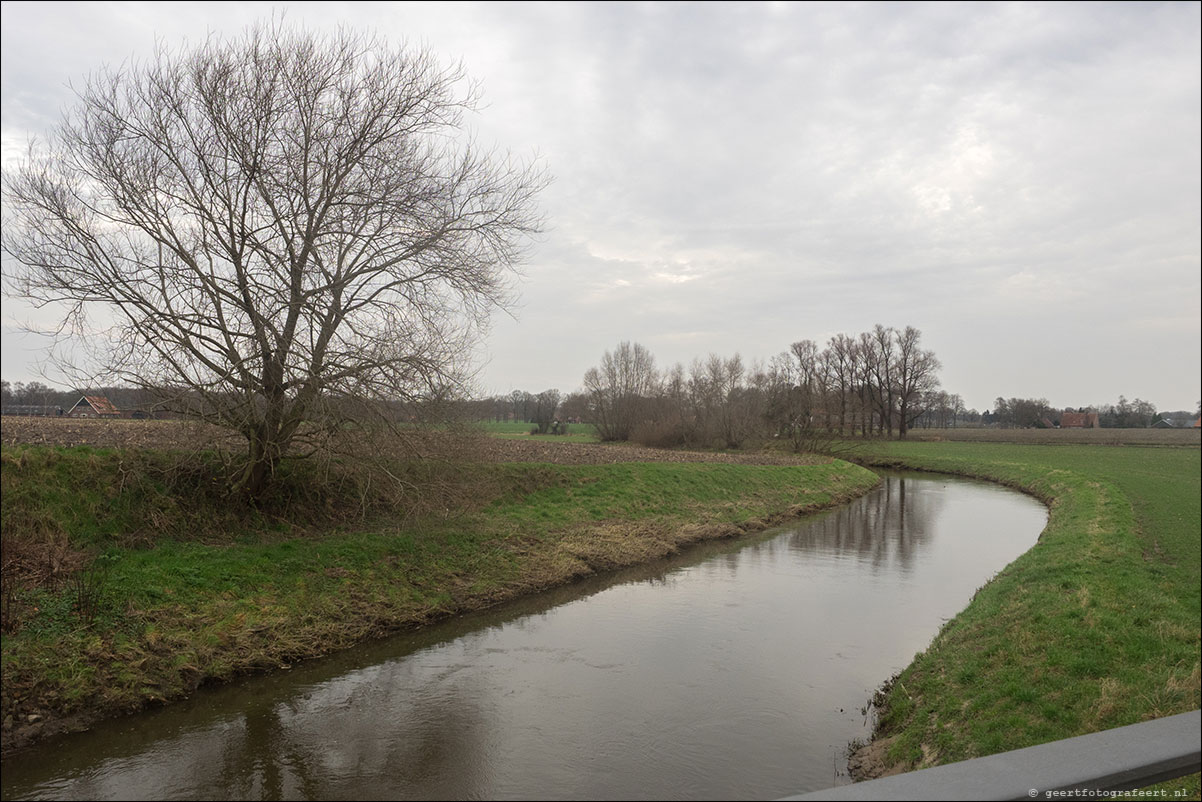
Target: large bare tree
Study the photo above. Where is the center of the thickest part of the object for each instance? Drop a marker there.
(916, 377)
(271, 227)
(621, 389)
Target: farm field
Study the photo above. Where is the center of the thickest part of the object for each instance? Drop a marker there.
(1110, 437)
(1095, 627)
(577, 432)
(478, 444)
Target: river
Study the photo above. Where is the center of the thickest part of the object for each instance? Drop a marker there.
(738, 670)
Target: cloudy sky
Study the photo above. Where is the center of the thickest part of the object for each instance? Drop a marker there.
(1019, 181)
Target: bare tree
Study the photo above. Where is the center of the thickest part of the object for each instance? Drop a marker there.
(621, 390)
(883, 365)
(1022, 412)
(810, 390)
(679, 415)
(840, 358)
(575, 407)
(916, 376)
(725, 382)
(868, 352)
(522, 401)
(546, 404)
(273, 227)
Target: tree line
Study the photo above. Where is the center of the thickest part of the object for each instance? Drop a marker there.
(541, 410)
(1026, 413)
(41, 399)
(879, 382)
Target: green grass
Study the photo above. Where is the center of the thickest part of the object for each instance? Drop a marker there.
(1108, 437)
(170, 603)
(577, 432)
(1095, 627)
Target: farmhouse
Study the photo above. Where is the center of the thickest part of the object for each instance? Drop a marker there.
(1079, 420)
(93, 406)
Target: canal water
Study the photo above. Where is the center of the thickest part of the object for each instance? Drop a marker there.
(739, 670)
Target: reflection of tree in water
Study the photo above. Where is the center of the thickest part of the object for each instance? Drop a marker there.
(264, 763)
(437, 752)
(891, 524)
(389, 731)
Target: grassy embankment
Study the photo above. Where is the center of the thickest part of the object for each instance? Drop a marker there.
(184, 587)
(1096, 626)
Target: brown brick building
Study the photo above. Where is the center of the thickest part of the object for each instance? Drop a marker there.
(94, 406)
(1079, 420)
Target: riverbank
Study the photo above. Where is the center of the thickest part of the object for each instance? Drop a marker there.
(1095, 627)
(147, 588)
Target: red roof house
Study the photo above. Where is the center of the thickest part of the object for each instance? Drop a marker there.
(94, 406)
(1079, 420)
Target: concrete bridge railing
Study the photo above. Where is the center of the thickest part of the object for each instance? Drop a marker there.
(1086, 767)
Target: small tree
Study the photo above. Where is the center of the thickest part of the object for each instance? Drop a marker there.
(277, 228)
(545, 405)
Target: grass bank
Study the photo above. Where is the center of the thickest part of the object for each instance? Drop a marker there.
(130, 580)
(1097, 626)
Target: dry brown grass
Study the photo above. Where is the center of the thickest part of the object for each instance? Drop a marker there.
(167, 435)
(174, 435)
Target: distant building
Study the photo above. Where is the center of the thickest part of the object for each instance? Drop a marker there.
(1079, 420)
(34, 410)
(94, 406)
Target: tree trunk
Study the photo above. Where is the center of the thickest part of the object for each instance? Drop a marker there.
(263, 455)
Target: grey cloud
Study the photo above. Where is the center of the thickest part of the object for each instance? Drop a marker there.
(810, 168)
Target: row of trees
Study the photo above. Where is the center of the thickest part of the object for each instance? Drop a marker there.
(1037, 412)
(539, 409)
(36, 395)
(944, 410)
(31, 394)
(878, 382)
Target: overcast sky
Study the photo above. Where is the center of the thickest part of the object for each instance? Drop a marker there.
(1019, 181)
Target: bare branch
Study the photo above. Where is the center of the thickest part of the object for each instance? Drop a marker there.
(273, 224)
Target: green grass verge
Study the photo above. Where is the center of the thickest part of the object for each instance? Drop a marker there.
(1096, 626)
(183, 588)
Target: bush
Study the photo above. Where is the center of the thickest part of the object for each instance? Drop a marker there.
(658, 434)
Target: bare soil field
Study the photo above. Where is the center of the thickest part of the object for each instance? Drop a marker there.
(188, 436)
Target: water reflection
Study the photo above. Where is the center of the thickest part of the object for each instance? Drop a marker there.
(885, 530)
(734, 671)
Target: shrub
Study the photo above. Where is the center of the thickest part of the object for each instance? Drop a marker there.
(658, 434)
